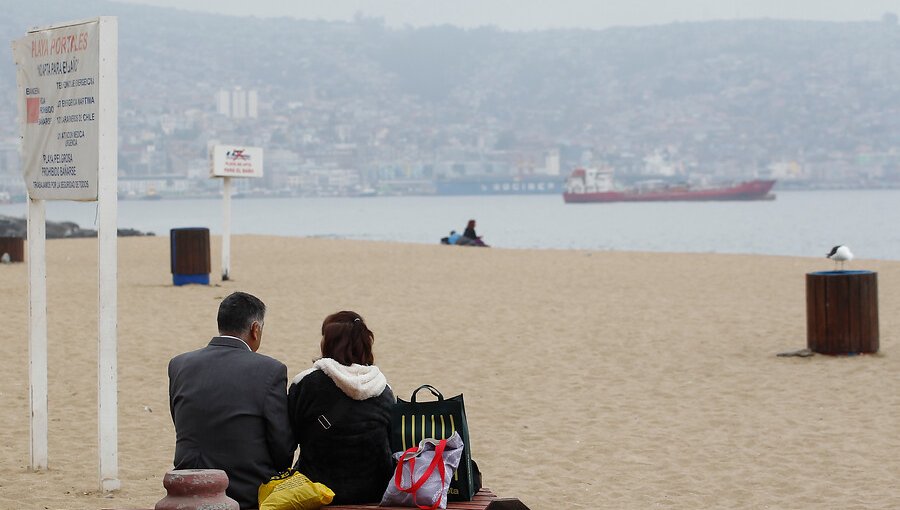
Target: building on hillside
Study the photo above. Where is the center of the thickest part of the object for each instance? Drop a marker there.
(238, 103)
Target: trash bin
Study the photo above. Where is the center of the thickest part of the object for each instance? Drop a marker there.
(842, 312)
(14, 246)
(190, 255)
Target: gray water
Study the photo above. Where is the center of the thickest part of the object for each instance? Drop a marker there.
(800, 223)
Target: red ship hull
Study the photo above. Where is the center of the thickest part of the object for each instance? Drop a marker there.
(750, 190)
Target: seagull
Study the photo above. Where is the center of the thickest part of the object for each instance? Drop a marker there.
(840, 253)
(5, 258)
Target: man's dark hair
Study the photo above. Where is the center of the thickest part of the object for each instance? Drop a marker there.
(238, 311)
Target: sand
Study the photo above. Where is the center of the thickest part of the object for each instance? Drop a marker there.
(592, 379)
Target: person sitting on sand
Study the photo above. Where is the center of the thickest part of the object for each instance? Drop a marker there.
(229, 403)
(470, 235)
(453, 237)
(340, 411)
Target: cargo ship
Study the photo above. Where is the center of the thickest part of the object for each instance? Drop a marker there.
(507, 185)
(596, 185)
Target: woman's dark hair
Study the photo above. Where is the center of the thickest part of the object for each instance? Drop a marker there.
(471, 224)
(347, 340)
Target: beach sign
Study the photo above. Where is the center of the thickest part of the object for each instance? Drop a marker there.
(227, 161)
(236, 161)
(67, 98)
(59, 99)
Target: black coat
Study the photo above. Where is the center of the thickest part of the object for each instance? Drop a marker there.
(230, 411)
(344, 443)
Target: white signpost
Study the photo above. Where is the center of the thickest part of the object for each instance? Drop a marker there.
(227, 161)
(68, 109)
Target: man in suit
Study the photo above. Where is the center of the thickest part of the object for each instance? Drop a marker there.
(229, 404)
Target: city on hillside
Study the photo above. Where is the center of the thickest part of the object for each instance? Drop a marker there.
(359, 109)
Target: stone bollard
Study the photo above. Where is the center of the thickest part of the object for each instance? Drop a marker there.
(196, 489)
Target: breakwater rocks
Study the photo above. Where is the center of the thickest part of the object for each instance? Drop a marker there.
(17, 227)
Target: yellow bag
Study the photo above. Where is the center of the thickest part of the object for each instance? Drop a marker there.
(293, 491)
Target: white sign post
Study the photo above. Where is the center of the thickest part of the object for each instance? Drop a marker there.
(226, 228)
(68, 109)
(227, 161)
(37, 328)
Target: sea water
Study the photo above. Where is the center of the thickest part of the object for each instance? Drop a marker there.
(797, 223)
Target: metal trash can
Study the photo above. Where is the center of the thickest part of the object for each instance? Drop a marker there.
(190, 255)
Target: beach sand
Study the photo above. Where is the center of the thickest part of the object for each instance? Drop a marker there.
(591, 379)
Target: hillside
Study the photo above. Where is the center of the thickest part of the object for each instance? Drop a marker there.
(721, 94)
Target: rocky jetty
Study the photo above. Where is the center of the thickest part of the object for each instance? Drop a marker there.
(17, 227)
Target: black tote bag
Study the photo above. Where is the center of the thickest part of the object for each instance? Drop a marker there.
(438, 419)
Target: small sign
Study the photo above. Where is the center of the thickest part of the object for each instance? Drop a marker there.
(236, 161)
(58, 76)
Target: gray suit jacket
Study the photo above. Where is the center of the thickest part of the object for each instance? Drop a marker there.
(229, 406)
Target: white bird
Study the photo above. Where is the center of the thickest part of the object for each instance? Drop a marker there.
(840, 253)
(5, 258)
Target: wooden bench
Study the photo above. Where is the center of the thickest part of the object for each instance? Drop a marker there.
(484, 500)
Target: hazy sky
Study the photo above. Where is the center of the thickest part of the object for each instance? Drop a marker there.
(537, 14)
